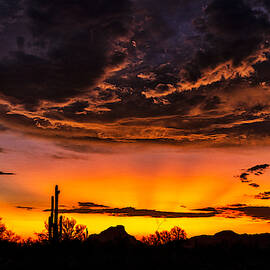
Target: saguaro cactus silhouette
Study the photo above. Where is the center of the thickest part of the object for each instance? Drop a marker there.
(55, 227)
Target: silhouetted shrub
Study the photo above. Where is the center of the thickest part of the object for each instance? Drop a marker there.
(7, 235)
(70, 231)
(164, 237)
(73, 231)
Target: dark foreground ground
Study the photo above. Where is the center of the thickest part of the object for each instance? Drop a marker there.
(225, 250)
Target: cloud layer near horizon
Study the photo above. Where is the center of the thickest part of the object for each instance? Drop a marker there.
(181, 72)
(230, 211)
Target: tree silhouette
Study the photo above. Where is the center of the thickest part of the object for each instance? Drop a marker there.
(70, 231)
(164, 237)
(178, 234)
(73, 231)
(7, 235)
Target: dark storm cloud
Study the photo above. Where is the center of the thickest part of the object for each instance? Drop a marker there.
(74, 42)
(258, 129)
(76, 107)
(128, 66)
(136, 105)
(41, 127)
(262, 71)
(232, 32)
(163, 27)
(9, 12)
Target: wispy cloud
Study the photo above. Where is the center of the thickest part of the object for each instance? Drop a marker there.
(263, 195)
(254, 185)
(91, 205)
(241, 210)
(243, 177)
(6, 173)
(256, 170)
(28, 208)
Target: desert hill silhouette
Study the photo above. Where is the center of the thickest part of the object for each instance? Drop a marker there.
(229, 238)
(115, 235)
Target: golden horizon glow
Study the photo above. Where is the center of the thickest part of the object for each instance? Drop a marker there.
(163, 180)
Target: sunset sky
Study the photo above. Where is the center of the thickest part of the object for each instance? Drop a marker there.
(146, 113)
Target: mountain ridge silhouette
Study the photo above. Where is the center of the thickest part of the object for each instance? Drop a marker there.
(114, 235)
